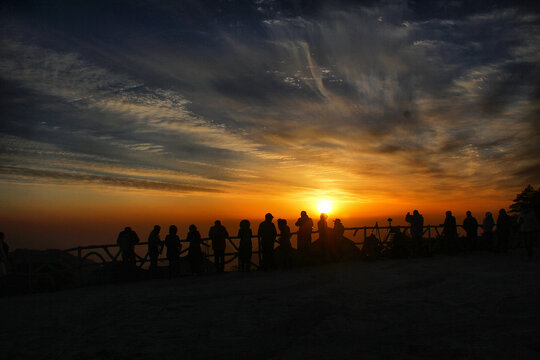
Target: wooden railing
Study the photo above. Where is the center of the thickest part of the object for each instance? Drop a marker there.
(111, 252)
(99, 255)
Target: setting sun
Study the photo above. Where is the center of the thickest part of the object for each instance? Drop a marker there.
(324, 206)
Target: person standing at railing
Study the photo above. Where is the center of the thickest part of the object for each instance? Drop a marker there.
(155, 247)
(173, 244)
(127, 239)
(339, 232)
(470, 224)
(322, 227)
(305, 228)
(488, 224)
(450, 234)
(417, 229)
(267, 234)
(504, 231)
(245, 250)
(218, 235)
(285, 242)
(195, 256)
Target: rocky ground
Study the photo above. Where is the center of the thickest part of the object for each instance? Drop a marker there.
(479, 306)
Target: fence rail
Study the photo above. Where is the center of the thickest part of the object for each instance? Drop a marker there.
(99, 255)
(382, 233)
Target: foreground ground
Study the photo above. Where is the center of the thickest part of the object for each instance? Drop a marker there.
(463, 307)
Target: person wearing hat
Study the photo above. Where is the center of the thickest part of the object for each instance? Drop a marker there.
(267, 234)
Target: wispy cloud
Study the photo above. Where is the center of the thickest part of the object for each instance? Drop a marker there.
(354, 99)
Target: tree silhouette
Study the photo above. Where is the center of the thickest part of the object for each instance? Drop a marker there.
(528, 197)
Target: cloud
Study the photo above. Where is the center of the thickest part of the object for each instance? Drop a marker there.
(40, 175)
(378, 95)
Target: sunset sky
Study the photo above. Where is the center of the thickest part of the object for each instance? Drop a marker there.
(118, 113)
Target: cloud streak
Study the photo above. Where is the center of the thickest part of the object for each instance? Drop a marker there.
(355, 99)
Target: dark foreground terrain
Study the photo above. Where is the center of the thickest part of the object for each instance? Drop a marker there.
(481, 306)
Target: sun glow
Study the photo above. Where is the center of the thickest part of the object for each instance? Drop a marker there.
(324, 206)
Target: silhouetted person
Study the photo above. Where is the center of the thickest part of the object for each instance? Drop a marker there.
(155, 247)
(195, 256)
(417, 228)
(218, 234)
(470, 224)
(322, 228)
(127, 239)
(267, 237)
(529, 228)
(246, 246)
(339, 232)
(173, 244)
(488, 225)
(504, 230)
(305, 227)
(285, 242)
(450, 231)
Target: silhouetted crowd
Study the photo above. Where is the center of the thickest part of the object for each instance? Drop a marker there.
(331, 244)
(276, 251)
